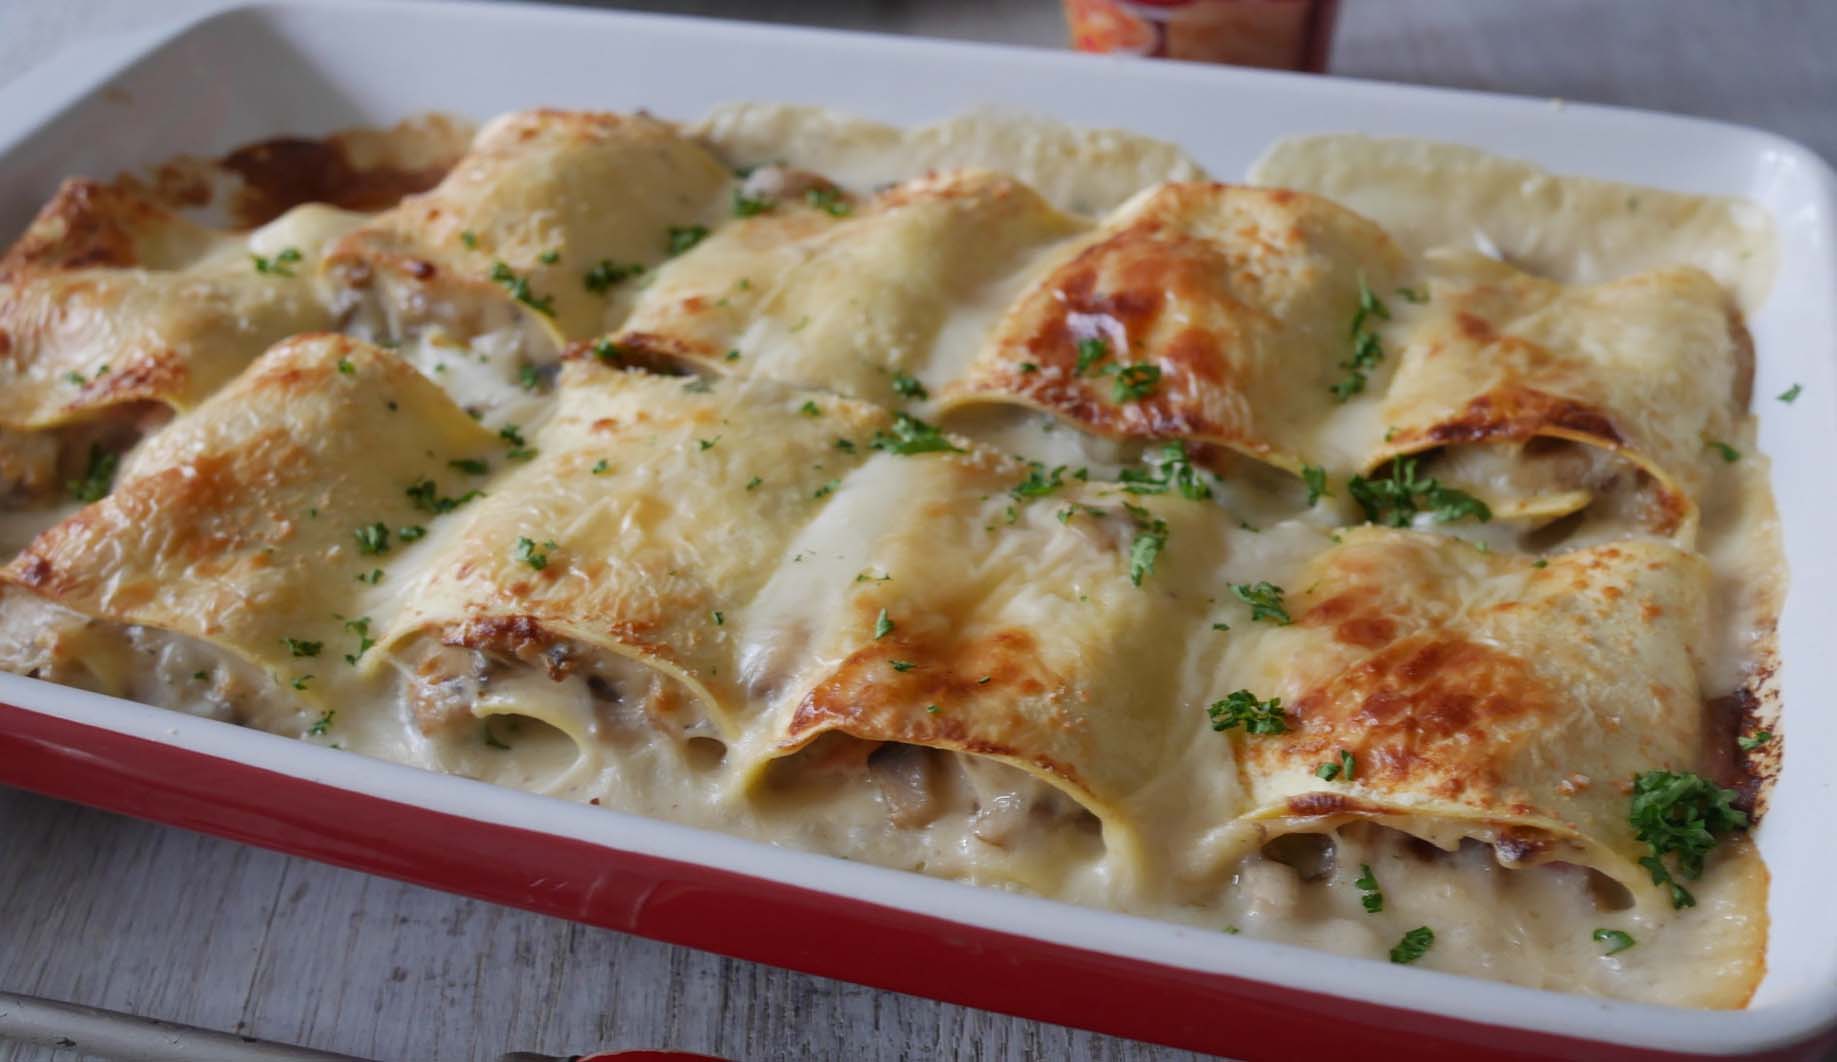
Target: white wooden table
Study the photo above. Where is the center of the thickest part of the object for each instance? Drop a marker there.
(111, 912)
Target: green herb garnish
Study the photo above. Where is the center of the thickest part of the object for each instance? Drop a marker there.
(1241, 708)
(1681, 815)
(1392, 500)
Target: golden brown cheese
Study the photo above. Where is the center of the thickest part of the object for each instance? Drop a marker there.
(1654, 369)
(897, 285)
(260, 517)
(1505, 700)
(1232, 304)
(511, 235)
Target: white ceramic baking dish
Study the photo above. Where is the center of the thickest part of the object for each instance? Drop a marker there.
(262, 70)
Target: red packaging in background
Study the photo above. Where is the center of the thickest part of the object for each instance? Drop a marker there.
(1278, 34)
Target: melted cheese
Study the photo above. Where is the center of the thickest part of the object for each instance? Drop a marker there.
(729, 601)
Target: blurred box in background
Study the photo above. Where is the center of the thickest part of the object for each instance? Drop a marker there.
(1277, 34)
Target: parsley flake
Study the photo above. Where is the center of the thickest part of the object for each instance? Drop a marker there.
(1145, 548)
(1750, 742)
(98, 476)
(372, 539)
(1090, 352)
(683, 237)
(603, 276)
(1791, 394)
(1039, 483)
(280, 265)
(911, 435)
(1617, 940)
(1394, 499)
(1728, 453)
(471, 466)
(1265, 601)
(1316, 480)
(829, 200)
(1135, 382)
(1414, 945)
(1169, 467)
(520, 291)
(322, 724)
(1342, 770)
(537, 557)
(901, 665)
(882, 625)
(1370, 895)
(1681, 815)
(746, 206)
(1242, 708)
(298, 648)
(909, 387)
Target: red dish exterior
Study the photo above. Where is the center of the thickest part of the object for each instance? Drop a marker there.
(745, 917)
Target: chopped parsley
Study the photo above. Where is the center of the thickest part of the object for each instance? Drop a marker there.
(360, 627)
(827, 489)
(901, 665)
(1414, 945)
(425, 494)
(1412, 295)
(931, 709)
(1681, 815)
(1791, 394)
(1750, 742)
(601, 278)
(683, 237)
(707, 444)
(733, 355)
(1366, 353)
(1370, 895)
(280, 265)
(75, 379)
(1316, 480)
(1168, 467)
(298, 648)
(719, 617)
(537, 557)
(372, 577)
(471, 466)
(701, 385)
(810, 408)
(911, 435)
(829, 200)
(469, 238)
(1029, 367)
(754, 482)
(519, 449)
(519, 289)
(345, 367)
(847, 446)
(1617, 940)
(1150, 539)
(372, 539)
(1039, 483)
(1394, 499)
(98, 476)
(300, 683)
(549, 257)
(201, 676)
(882, 625)
(601, 467)
(746, 206)
(1341, 770)
(1241, 708)
(1729, 453)
(322, 724)
(909, 387)
(1090, 352)
(1135, 382)
(411, 532)
(1265, 601)
(530, 378)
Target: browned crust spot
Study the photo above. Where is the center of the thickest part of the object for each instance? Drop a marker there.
(867, 698)
(286, 172)
(1515, 413)
(87, 224)
(1431, 709)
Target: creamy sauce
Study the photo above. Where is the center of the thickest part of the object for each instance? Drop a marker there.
(585, 723)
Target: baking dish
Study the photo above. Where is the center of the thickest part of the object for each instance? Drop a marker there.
(260, 71)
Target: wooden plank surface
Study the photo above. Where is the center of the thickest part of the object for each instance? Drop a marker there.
(111, 912)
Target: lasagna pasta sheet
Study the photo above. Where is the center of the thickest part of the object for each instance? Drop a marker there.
(1484, 695)
(1577, 230)
(247, 524)
(507, 241)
